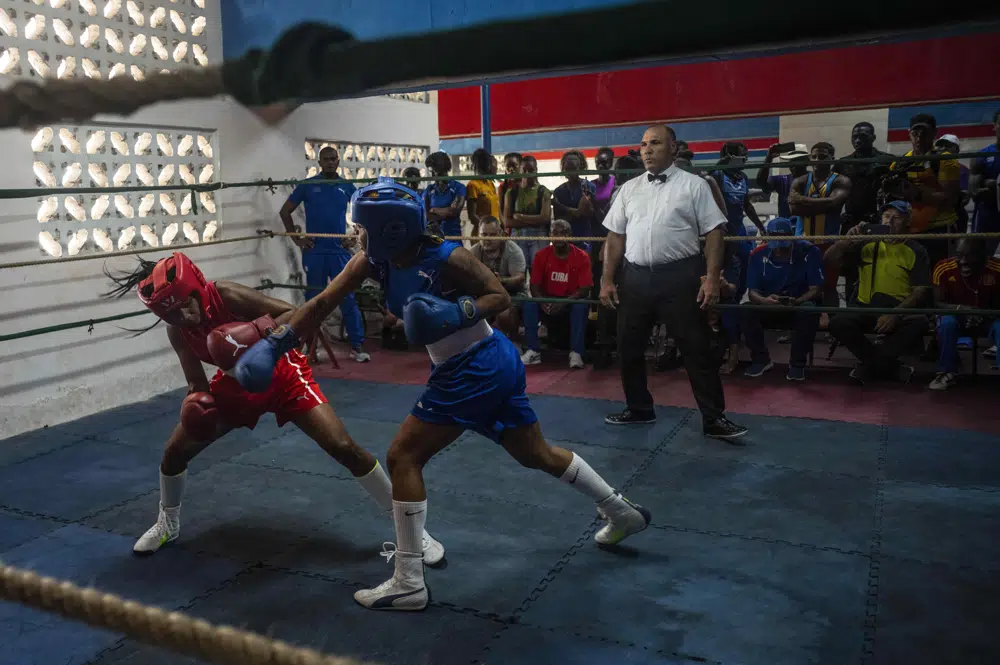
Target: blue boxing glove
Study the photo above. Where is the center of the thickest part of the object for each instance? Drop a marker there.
(428, 319)
(255, 367)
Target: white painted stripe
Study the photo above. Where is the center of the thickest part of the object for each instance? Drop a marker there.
(298, 371)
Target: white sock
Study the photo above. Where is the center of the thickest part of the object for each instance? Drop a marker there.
(585, 480)
(172, 489)
(410, 517)
(378, 486)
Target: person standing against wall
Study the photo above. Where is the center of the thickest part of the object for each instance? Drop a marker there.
(482, 194)
(528, 210)
(444, 199)
(324, 258)
(655, 225)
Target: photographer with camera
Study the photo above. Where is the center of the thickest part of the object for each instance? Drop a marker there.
(891, 274)
(785, 272)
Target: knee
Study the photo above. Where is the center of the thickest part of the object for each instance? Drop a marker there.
(840, 324)
(948, 323)
(507, 319)
(804, 315)
(404, 457)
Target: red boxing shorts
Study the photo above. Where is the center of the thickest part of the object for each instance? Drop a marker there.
(293, 392)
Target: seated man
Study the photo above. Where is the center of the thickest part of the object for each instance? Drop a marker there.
(506, 260)
(785, 272)
(892, 274)
(560, 270)
(970, 280)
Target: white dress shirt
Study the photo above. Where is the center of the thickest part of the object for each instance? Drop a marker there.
(663, 221)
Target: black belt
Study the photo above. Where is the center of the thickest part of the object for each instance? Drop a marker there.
(687, 264)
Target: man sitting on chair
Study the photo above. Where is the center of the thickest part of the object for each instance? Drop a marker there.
(969, 280)
(560, 270)
(788, 273)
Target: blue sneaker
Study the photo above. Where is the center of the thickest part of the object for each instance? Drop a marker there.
(757, 369)
(796, 373)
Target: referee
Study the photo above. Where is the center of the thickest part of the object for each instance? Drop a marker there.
(655, 223)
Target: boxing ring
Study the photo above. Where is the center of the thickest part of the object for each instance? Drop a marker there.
(855, 526)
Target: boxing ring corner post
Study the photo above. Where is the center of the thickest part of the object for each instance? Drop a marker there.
(484, 103)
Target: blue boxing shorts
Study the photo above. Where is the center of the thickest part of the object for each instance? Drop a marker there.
(481, 389)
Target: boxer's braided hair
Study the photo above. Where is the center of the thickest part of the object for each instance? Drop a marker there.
(125, 282)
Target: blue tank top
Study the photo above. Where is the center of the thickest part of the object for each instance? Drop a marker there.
(422, 276)
(734, 191)
(824, 223)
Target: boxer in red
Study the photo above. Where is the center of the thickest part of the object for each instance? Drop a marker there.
(214, 323)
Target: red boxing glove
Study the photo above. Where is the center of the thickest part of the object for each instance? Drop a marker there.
(228, 342)
(199, 416)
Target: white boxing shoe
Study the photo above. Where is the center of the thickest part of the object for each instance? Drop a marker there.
(405, 591)
(433, 550)
(166, 529)
(624, 519)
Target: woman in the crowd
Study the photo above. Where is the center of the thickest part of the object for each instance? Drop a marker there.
(511, 166)
(482, 194)
(574, 199)
(529, 210)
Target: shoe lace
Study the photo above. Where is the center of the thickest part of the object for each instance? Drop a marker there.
(388, 551)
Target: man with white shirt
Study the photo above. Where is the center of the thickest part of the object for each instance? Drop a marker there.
(655, 225)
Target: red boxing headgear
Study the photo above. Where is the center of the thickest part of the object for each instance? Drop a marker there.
(174, 280)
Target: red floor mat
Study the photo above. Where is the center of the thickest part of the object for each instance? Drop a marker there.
(827, 394)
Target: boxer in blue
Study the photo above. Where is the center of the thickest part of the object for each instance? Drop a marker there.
(444, 297)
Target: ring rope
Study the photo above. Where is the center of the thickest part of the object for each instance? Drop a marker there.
(268, 284)
(129, 252)
(313, 62)
(829, 238)
(90, 323)
(25, 193)
(593, 239)
(171, 630)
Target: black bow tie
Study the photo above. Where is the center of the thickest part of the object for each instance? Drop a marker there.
(653, 178)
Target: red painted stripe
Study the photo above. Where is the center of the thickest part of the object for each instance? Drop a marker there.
(696, 146)
(872, 76)
(963, 132)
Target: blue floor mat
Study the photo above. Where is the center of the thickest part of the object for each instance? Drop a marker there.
(816, 542)
(94, 558)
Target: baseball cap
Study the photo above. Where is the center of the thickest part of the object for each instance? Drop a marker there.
(780, 226)
(901, 206)
(800, 152)
(923, 120)
(948, 138)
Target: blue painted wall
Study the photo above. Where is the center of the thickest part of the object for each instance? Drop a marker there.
(250, 24)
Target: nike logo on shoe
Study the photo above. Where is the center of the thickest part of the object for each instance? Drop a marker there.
(386, 602)
(409, 514)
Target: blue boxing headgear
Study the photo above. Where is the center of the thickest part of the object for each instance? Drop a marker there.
(393, 217)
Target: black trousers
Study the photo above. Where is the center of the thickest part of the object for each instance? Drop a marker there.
(882, 360)
(668, 292)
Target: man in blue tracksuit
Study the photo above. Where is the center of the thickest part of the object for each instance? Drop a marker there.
(324, 258)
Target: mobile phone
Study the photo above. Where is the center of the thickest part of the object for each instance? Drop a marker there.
(877, 230)
(786, 300)
(784, 147)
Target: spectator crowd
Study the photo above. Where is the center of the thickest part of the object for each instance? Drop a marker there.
(765, 263)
